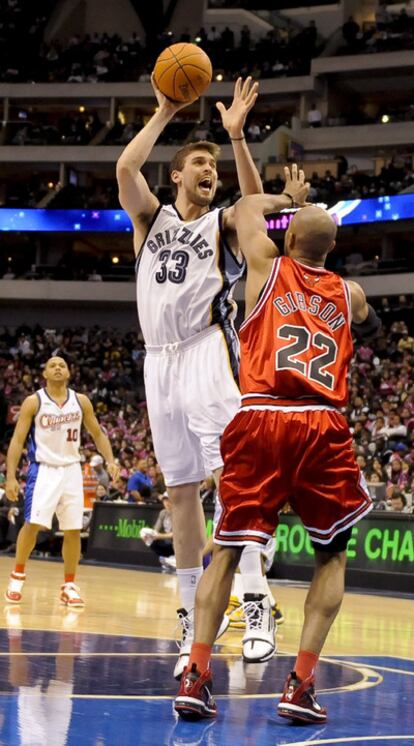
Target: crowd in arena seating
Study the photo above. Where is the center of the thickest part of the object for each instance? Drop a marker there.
(283, 51)
(109, 368)
(42, 128)
(350, 183)
(109, 58)
(391, 32)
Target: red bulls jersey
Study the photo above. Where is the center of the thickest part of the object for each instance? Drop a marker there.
(296, 344)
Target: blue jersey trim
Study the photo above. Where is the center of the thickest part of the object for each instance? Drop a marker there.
(55, 402)
(150, 226)
(30, 486)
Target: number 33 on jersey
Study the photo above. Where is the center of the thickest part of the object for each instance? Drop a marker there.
(296, 343)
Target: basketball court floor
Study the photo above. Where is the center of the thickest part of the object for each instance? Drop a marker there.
(103, 676)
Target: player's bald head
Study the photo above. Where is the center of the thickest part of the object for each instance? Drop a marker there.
(312, 233)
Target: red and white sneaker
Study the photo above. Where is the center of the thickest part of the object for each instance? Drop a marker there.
(195, 700)
(298, 701)
(69, 595)
(14, 589)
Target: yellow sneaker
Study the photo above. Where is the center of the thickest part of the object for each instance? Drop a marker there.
(236, 613)
(234, 604)
(277, 614)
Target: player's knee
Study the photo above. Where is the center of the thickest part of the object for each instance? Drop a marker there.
(228, 556)
(181, 495)
(32, 529)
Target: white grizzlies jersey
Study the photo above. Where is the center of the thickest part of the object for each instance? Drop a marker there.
(54, 438)
(185, 278)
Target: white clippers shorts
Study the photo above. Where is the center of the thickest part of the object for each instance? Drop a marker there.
(191, 397)
(54, 489)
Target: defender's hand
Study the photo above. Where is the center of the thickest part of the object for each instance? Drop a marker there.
(244, 98)
(12, 489)
(295, 185)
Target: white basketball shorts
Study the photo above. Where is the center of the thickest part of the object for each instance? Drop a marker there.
(54, 489)
(191, 397)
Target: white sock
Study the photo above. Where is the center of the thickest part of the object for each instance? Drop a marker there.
(269, 592)
(187, 584)
(238, 589)
(250, 566)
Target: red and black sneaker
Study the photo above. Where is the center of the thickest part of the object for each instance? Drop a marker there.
(299, 701)
(195, 700)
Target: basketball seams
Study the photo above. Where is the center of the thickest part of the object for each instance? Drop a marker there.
(189, 81)
(173, 82)
(173, 63)
(201, 69)
(171, 53)
(201, 54)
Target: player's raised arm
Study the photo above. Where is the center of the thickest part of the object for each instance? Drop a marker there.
(234, 119)
(134, 193)
(250, 211)
(27, 412)
(100, 439)
(365, 322)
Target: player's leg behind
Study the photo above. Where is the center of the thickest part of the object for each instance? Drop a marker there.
(195, 700)
(322, 605)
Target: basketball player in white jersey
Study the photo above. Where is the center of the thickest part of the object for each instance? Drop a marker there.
(188, 261)
(52, 418)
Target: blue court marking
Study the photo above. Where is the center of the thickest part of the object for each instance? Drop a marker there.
(71, 688)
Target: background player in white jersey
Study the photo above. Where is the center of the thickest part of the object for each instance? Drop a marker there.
(188, 261)
(53, 417)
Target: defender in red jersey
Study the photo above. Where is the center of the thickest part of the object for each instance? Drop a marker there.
(289, 440)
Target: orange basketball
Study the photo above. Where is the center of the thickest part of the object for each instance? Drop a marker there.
(182, 72)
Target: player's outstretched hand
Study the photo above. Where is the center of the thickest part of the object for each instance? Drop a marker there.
(113, 470)
(12, 490)
(166, 104)
(295, 185)
(244, 98)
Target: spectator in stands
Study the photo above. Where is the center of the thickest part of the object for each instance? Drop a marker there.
(139, 484)
(117, 491)
(254, 132)
(102, 494)
(396, 429)
(350, 31)
(90, 483)
(397, 503)
(101, 474)
(314, 116)
(160, 538)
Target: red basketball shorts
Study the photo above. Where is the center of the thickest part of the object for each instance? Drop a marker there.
(301, 457)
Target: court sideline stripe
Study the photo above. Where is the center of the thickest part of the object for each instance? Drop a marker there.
(354, 739)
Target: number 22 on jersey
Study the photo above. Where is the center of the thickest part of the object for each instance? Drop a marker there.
(324, 353)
